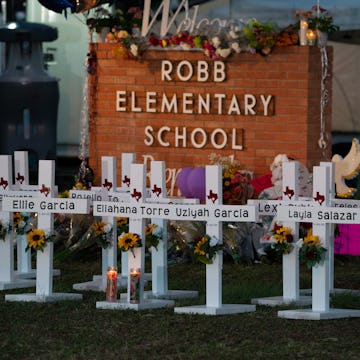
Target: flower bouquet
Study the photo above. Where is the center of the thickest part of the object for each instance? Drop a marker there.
(102, 233)
(122, 224)
(282, 239)
(205, 248)
(311, 251)
(236, 182)
(21, 223)
(37, 239)
(129, 241)
(152, 238)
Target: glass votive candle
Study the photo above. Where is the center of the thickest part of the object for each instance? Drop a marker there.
(111, 283)
(135, 285)
(311, 37)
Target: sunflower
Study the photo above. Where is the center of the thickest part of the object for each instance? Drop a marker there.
(199, 246)
(17, 218)
(36, 239)
(205, 249)
(149, 229)
(311, 252)
(129, 241)
(98, 228)
(282, 239)
(122, 224)
(151, 239)
(311, 239)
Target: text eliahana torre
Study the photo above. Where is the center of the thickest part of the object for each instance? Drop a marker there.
(193, 103)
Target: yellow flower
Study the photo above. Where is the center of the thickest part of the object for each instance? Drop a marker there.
(79, 186)
(98, 227)
(311, 239)
(198, 247)
(121, 221)
(149, 229)
(36, 238)
(128, 241)
(17, 218)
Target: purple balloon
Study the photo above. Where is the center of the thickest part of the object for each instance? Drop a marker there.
(182, 181)
(196, 183)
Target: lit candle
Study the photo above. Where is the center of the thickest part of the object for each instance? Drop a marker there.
(111, 283)
(303, 29)
(135, 286)
(311, 37)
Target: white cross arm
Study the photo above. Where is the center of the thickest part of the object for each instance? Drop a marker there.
(319, 214)
(45, 206)
(269, 207)
(211, 213)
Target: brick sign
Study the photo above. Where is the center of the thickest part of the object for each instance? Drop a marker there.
(179, 107)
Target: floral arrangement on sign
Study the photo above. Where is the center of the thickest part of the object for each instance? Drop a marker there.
(21, 222)
(311, 251)
(261, 36)
(152, 238)
(252, 36)
(282, 239)
(129, 241)
(4, 230)
(236, 182)
(318, 18)
(37, 239)
(205, 248)
(102, 233)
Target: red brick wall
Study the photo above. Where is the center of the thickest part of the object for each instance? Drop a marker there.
(291, 75)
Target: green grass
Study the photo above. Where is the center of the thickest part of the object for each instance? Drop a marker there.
(77, 330)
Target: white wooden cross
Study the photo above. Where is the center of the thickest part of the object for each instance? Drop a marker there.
(21, 184)
(212, 212)
(290, 262)
(136, 259)
(45, 205)
(107, 192)
(8, 280)
(159, 259)
(320, 215)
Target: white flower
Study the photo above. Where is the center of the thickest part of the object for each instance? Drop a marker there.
(107, 228)
(216, 42)
(299, 243)
(134, 50)
(223, 52)
(236, 47)
(213, 241)
(22, 224)
(185, 46)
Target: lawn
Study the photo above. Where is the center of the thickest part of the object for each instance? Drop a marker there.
(77, 330)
